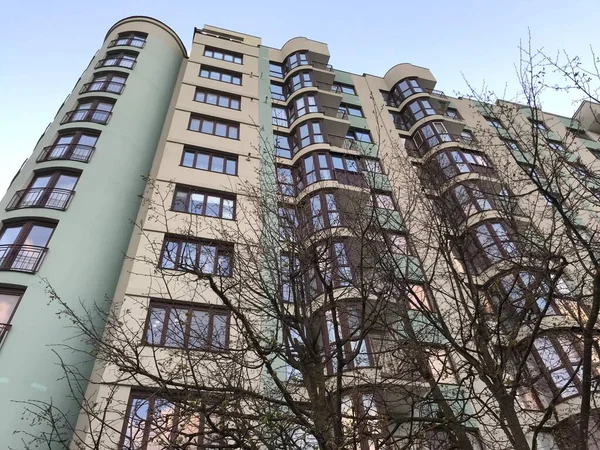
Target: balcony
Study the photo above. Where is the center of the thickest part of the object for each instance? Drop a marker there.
(87, 115)
(131, 42)
(48, 198)
(21, 258)
(321, 66)
(342, 142)
(334, 112)
(112, 87)
(66, 152)
(116, 62)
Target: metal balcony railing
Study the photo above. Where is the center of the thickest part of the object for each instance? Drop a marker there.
(116, 62)
(334, 112)
(113, 87)
(87, 115)
(131, 42)
(342, 142)
(49, 198)
(66, 152)
(21, 258)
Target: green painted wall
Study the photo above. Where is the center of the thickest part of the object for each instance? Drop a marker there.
(87, 249)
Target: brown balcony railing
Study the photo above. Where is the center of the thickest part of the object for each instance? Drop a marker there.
(4, 329)
(131, 42)
(50, 198)
(87, 115)
(116, 62)
(113, 87)
(21, 258)
(66, 152)
(342, 142)
(334, 112)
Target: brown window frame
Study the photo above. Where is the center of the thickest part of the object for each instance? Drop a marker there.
(439, 135)
(346, 108)
(299, 142)
(72, 148)
(276, 74)
(228, 99)
(211, 154)
(221, 74)
(287, 218)
(106, 85)
(280, 119)
(282, 152)
(189, 190)
(119, 57)
(299, 81)
(295, 112)
(411, 87)
(222, 249)
(224, 53)
(276, 95)
(496, 124)
(470, 160)
(483, 256)
(6, 326)
(346, 88)
(48, 197)
(336, 279)
(326, 216)
(286, 189)
(167, 306)
(215, 124)
(130, 37)
(352, 134)
(91, 114)
(11, 255)
(424, 109)
(296, 59)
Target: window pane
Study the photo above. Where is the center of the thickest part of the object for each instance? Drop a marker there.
(224, 265)
(228, 207)
(211, 99)
(188, 159)
(213, 205)
(169, 255)
(199, 329)
(136, 423)
(8, 303)
(196, 203)
(155, 326)
(176, 327)
(219, 332)
(180, 202)
(202, 161)
(221, 130)
(231, 167)
(217, 164)
(207, 259)
(233, 132)
(207, 126)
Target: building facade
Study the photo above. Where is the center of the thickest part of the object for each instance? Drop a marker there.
(203, 136)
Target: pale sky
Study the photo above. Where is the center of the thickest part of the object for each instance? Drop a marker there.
(47, 44)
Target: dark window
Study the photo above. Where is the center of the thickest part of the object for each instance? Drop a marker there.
(314, 167)
(214, 127)
(130, 38)
(306, 134)
(225, 55)
(52, 190)
(345, 88)
(281, 143)
(416, 110)
(301, 106)
(187, 326)
(405, 89)
(300, 80)
(430, 135)
(466, 137)
(371, 165)
(111, 82)
(359, 135)
(217, 98)
(399, 121)
(384, 200)
(324, 211)
(23, 245)
(334, 267)
(535, 173)
(285, 181)
(73, 146)
(275, 70)
(489, 243)
(455, 161)
(539, 125)
(296, 59)
(452, 113)
(595, 152)
(97, 111)
(197, 256)
(225, 76)
(497, 124)
(9, 301)
(188, 199)
(351, 110)
(288, 223)
(291, 283)
(211, 161)
(387, 98)
(118, 59)
(279, 116)
(277, 92)
(580, 171)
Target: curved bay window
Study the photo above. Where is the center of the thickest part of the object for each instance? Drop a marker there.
(328, 166)
(111, 82)
(405, 89)
(295, 60)
(430, 135)
(489, 243)
(118, 59)
(306, 134)
(453, 162)
(71, 146)
(299, 81)
(301, 106)
(130, 38)
(96, 111)
(52, 190)
(330, 268)
(23, 245)
(324, 210)
(416, 110)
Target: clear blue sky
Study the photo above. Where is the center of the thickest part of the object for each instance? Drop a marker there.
(47, 44)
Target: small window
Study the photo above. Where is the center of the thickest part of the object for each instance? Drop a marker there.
(224, 55)
(182, 253)
(225, 76)
(466, 137)
(351, 110)
(372, 165)
(218, 98)
(204, 203)
(211, 161)
(345, 88)
(215, 127)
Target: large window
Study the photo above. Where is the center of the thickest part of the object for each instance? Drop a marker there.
(225, 76)
(275, 70)
(351, 110)
(300, 80)
(333, 265)
(130, 38)
(455, 161)
(97, 111)
(302, 105)
(9, 301)
(324, 211)
(279, 116)
(297, 59)
(23, 245)
(345, 88)
(181, 253)
(215, 127)
(416, 110)
(52, 190)
(430, 135)
(211, 161)
(281, 143)
(113, 83)
(118, 59)
(496, 124)
(489, 243)
(224, 55)
(350, 336)
(405, 89)
(73, 146)
(217, 98)
(314, 167)
(288, 223)
(306, 134)
(277, 91)
(187, 326)
(470, 199)
(194, 201)
(285, 181)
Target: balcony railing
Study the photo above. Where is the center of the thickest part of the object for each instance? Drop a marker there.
(435, 140)
(322, 66)
(21, 258)
(4, 329)
(113, 87)
(131, 42)
(66, 152)
(116, 62)
(334, 112)
(49, 198)
(342, 142)
(87, 115)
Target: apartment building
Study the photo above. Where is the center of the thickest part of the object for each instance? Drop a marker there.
(207, 139)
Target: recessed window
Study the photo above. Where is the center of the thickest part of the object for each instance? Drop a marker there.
(307, 134)
(359, 135)
(324, 211)
(118, 59)
(351, 110)
(555, 145)
(23, 245)
(495, 123)
(387, 98)
(277, 92)
(182, 253)
(215, 127)
(539, 125)
(213, 73)
(285, 181)
(372, 165)
(452, 113)
(211, 161)
(72, 146)
(202, 203)
(217, 98)
(96, 111)
(453, 162)
(9, 301)
(51, 190)
(405, 89)
(275, 70)
(279, 116)
(224, 55)
(130, 38)
(187, 326)
(300, 80)
(113, 83)
(288, 223)
(466, 137)
(282, 146)
(305, 104)
(297, 59)
(345, 88)
(384, 200)
(430, 135)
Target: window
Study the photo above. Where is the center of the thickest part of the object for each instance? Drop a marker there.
(154, 423)
(130, 38)
(306, 134)
(73, 146)
(281, 143)
(541, 126)
(217, 98)
(285, 181)
(314, 167)
(113, 83)
(211, 161)
(118, 59)
(351, 110)
(595, 152)
(345, 163)
(289, 277)
(333, 265)
(387, 98)
(225, 76)
(300, 80)
(384, 201)
(9, 301)
(452, 113)
(324, 211)
(555, 145)
(197, 256)
(275, 70)
(301, 106)
(491, 243)
(579, 170)
(359, 135)
(279, 116)
(430, 135)
(214, 127)
(466, 137)
(405, 89)
(288, 223)
(470, 199)
(277, 92)
(345, 88)
(97, 111)
(495, 123)
(186, 326)
(23, 245)
(350, 336)
(204, 203)
(535, 173)
(416, 110)
(52, 190)
(399, 121)
(453, 162)
(224, 55)
(297, 59)
(512, 145)
(372, 165)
